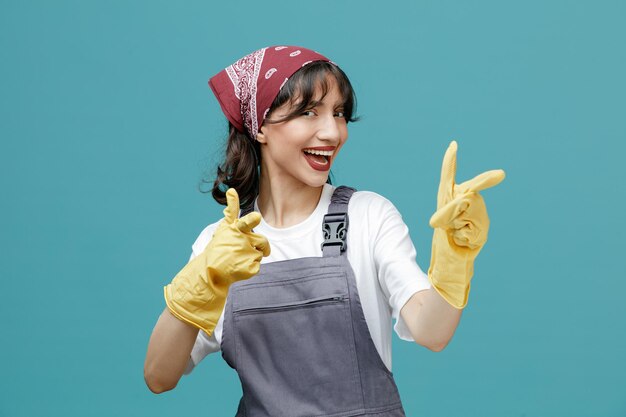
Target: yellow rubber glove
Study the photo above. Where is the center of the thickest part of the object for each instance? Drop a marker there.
(461, 226)
(197, 294)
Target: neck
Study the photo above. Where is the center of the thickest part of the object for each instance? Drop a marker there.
(284, 202)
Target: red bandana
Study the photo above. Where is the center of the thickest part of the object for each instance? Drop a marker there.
(247, 88)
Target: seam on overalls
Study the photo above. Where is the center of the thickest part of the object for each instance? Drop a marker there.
(287, 281)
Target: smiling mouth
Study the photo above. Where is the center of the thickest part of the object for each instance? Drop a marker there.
(320, 155)
(318, 160)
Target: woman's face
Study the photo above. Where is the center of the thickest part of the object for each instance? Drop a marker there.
(321, 128)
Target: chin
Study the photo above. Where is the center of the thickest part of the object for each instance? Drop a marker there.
(316, 183)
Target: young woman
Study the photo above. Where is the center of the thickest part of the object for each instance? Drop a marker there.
(297, 285)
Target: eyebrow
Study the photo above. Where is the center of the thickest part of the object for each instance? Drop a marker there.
(315, 103)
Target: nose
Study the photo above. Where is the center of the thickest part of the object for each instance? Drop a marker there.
(329, 128)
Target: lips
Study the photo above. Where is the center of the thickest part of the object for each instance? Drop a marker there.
(319, 157)
(315, 161)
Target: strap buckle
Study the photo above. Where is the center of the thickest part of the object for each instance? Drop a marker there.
(335, 228)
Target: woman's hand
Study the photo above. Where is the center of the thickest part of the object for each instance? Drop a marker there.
(461, 227)
(197, 294)
(235, 252)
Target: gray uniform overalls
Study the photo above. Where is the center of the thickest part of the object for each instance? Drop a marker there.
(297, 337)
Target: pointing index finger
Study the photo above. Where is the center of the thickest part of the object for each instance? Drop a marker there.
(249, 222)
(483, 181)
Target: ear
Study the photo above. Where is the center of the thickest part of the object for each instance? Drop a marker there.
(260, 137)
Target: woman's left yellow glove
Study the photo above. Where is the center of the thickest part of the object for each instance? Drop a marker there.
(197, 294)
(461, 226)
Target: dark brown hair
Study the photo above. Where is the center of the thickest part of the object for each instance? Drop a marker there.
(241, 166)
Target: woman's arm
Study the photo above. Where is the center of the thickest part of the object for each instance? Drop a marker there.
(430, 319)
(461, 227)
(168, 352)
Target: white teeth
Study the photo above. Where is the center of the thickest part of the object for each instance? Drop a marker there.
(325, 153)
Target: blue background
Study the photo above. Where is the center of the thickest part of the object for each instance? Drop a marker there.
(107, 126)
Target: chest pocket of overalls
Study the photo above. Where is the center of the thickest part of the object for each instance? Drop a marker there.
(294, 340)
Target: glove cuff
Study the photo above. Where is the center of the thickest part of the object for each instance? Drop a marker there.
(195, 301)
(453, 288)
(202, 315)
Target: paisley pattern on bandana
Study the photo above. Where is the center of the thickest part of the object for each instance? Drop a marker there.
(244, 75)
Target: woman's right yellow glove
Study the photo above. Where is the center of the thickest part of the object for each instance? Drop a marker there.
(461, 226)
(197, 294)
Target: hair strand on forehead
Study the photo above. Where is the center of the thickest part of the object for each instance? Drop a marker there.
(305, 84)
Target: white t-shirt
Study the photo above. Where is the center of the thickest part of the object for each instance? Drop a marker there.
(380, 252)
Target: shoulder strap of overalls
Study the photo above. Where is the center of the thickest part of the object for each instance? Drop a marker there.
(335, 226)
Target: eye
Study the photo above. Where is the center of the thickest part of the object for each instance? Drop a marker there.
(340, 114)
(308, 113)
